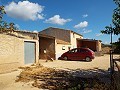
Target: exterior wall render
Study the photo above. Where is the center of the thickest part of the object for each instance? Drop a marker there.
(98, 46)
(74, 37)
(60, 49)
(12, 50)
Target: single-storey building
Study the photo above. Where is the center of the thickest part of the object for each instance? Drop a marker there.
(68, 39)
(18, 48)
(64, 39)
(94, 45)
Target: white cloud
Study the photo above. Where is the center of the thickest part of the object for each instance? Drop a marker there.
(99, 34)
(86, 31)
(81, 25)
(35, 31)
(78, 31)
(40, 16)
(24, 10)
(85, 15)
(56, 19)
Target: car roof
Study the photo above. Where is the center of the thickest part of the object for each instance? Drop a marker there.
(80, 48)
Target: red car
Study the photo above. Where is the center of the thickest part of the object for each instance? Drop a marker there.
(78, 54)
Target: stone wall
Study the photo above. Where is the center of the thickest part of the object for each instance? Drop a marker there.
(12, 50)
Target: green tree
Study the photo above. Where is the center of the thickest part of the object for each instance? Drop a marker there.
(4, 26)
(2, 12)
(117, 46)
(115, 20)
(2, 23)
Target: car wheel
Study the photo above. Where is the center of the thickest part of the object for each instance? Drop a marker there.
(88, 59)
(65, 58)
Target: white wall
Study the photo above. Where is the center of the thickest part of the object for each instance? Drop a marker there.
(60, 49)
(73, 39)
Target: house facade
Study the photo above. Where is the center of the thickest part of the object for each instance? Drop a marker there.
(68, 39)
(18, 48)
(64, 39)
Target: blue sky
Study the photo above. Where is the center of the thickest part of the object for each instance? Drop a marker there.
(86, 17)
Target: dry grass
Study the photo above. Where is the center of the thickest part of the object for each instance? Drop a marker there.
(106, 50)
(55, 79)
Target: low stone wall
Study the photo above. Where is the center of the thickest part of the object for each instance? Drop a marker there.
(8, 67)
(12, 49)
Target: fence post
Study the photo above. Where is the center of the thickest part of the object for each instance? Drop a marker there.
(112, 69)
(111, 62)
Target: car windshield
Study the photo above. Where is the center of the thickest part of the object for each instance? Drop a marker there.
(90, 50)
(73, 50)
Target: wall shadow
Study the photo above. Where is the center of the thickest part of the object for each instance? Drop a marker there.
(54, 79)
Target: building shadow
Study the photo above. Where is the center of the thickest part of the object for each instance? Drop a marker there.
(69, 79)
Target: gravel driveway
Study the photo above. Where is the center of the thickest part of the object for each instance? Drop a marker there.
(101, 62)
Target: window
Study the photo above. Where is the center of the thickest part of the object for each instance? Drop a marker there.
(72, 51)
(63, 47)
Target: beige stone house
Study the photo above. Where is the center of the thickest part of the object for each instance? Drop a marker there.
(64, 39)
(18, 48)
(68, 39)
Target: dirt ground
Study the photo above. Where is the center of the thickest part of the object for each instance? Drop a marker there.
(7, 81)
(101, 62)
